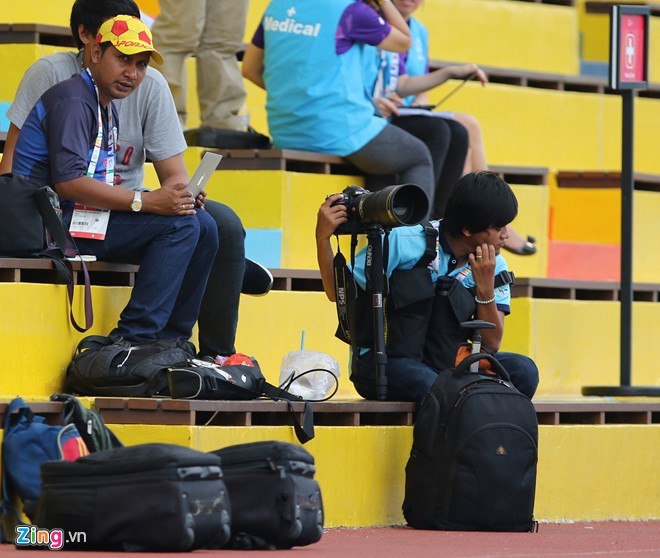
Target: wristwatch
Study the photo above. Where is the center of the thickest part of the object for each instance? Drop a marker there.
(136, 204)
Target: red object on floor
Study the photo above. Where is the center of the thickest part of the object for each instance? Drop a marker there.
(621, 539)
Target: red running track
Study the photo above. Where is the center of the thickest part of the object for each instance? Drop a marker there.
(578, 540)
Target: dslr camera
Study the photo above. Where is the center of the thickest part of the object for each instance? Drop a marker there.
(393, 206)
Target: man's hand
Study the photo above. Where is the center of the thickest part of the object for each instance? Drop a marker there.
(482, 263)
(329, 218)
(171, 199)
(201, 199)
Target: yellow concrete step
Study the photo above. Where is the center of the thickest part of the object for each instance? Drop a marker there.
(15, 59)
(541, 127)
(574, 342)
(53, 12)
(585, 472)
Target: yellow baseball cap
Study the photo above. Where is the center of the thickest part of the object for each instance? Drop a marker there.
(129, 35)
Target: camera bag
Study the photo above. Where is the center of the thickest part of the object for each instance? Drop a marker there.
(114, 367)
(276, 502)
(227, 139)
(473, 461)
(148, 497)
(199, 379)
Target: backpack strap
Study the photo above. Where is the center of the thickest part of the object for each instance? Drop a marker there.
(431, 250)
(304, 428)
(505, 277)
(65, 247)
(346, 295)
(496, 366)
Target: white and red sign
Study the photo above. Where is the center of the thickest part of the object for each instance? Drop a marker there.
(629, 47)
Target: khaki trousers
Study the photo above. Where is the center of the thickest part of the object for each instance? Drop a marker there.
(212, 31)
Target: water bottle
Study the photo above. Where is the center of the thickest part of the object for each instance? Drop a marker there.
(244, 115)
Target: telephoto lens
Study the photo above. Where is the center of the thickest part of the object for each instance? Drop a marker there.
(394, 206)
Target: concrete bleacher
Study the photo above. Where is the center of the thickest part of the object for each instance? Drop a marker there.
(597, 455)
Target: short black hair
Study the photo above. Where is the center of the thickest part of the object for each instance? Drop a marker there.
(479, 200)
(92, 13)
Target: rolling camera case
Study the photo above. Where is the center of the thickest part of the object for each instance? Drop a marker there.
(276, 502)
(473, 461)
(149, 497)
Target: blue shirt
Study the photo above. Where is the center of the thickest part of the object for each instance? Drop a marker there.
(408, 244)
(385, 72)
(57, 139)
(316, 94)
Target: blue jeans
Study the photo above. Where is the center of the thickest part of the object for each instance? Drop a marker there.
(175, 254)
(410, 380)
(218, 317)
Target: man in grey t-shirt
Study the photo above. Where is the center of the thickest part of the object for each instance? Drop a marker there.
(149, 129)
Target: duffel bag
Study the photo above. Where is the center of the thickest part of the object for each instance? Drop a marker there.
(150, 497)
(276, 502)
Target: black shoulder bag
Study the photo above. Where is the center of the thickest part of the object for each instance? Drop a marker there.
(31, 227)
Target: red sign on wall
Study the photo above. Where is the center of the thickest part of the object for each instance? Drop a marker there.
(629, 47)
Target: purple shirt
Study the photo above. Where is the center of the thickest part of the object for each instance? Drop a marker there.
(358, 24)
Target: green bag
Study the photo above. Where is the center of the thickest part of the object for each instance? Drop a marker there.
(96, 435)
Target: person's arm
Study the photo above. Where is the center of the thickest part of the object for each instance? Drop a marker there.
(35, 81)
(413, 85)
(172, 171)
(253, 65)
(377, 23)
(328, 219)
(482, 263)
(173, 199)
(8, 151)
(399, 39)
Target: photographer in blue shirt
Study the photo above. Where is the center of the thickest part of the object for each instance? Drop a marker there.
(440, 274)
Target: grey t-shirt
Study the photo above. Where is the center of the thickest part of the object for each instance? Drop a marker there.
(148, 122)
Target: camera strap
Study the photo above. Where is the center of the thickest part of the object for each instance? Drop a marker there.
(346, 294)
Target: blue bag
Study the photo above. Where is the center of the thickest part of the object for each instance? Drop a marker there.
(28, 442)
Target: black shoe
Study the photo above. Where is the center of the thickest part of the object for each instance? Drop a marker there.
(257, 280)
(527, 249)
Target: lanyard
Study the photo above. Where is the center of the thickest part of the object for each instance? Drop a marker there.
(112, 139)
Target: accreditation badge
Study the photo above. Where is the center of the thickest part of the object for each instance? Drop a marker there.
(89, 222)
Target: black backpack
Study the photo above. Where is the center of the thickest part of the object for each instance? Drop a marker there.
(114, 367)
(472, 466)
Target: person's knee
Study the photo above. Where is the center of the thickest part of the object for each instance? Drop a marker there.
(208, 230)
(523, 371)
(460, 135)
(229, 225)
(469, 122)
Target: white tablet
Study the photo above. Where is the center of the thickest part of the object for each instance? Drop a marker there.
(204, 171)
